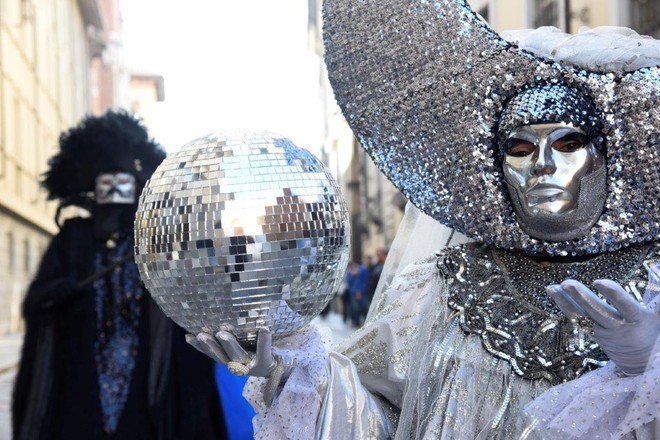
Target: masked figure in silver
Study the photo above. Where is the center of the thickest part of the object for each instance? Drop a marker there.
(552, 170)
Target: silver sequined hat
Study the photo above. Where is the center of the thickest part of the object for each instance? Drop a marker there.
(424, 84)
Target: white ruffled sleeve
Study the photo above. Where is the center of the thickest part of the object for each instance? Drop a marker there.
(354, 391)
(294, 411)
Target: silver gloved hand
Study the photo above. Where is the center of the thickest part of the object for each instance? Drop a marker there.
(626, 330)
(224, 348)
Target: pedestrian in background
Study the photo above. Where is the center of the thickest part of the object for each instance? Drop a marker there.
(357, 279)
(100, 360)
(374, 274)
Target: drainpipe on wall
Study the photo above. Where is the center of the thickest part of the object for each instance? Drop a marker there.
(567, 16)
(3, 140)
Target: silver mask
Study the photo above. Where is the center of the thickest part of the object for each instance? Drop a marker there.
(116, 188)
(556, 178)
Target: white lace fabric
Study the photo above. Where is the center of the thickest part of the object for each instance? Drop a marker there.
(418, 237)
(294, 412)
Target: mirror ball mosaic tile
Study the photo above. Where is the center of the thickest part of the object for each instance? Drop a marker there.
(242, 230)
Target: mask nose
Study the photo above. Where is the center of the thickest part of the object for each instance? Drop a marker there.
(545, 164)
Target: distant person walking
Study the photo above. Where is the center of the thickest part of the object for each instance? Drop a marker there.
(374, 274)
(357, 279)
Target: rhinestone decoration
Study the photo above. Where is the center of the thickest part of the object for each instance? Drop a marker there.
(242, 230)
(500, 295)
(423, 85)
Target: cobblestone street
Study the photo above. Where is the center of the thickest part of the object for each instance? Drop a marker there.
(6, 384)
(10, 346)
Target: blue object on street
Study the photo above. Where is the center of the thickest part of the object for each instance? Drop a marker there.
(238, 412)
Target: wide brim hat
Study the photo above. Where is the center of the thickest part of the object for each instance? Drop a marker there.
(423, 86)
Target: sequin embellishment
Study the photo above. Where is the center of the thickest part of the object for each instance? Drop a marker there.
(501, 296)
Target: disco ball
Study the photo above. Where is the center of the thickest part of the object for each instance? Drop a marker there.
(242, 230)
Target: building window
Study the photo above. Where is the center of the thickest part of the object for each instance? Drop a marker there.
(312, 13)
(26, 256)
(10, 251)
(484, 13)
(546, 13)
(645, 16)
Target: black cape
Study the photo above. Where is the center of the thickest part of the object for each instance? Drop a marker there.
(56, 395)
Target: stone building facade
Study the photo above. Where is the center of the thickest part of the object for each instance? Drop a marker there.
(52, 72)
(571, 15)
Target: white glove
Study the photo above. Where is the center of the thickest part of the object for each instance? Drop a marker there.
(626, 330)
(224, 348)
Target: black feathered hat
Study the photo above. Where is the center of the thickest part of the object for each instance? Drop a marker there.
(114, 142)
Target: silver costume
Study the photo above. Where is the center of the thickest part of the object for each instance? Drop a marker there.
(463, 366)
(466, 343)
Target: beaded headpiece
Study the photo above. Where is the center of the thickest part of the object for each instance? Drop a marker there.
(550, 103)
(424, 85)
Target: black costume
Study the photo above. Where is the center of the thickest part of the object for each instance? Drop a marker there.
(100, 359)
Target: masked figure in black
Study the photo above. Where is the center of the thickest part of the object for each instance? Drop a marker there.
(100, 360)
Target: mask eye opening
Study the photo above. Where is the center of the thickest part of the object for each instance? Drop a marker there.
(571, 142)
(517, 147)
